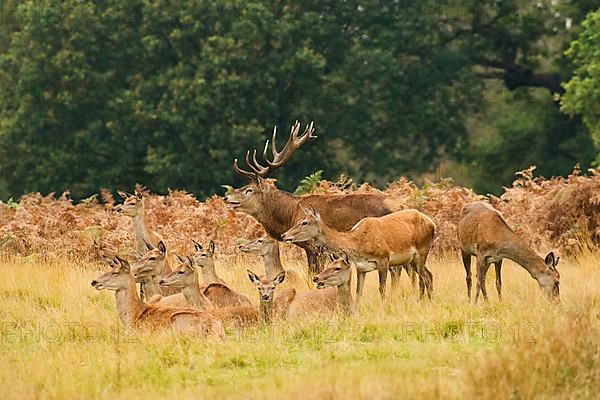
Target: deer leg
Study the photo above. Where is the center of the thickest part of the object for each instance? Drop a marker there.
(412, 273)
(360, 284)
(498, 266)
(419, 267)
(395, 274)
(466, 258)
(383, 272)
(429, 282)
(482, 268)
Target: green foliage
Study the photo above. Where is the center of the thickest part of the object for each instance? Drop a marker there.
(582, 94)
(309, 184)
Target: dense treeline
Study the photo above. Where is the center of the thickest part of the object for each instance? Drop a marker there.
(109, 93)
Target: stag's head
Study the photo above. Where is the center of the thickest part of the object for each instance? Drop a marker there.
(262, 246)
(133, 206)
(307, 228)
(116, 279)
(204, 254)
(152, 263)
(265, 286)
(249, 198)
(549, 280)
(336, 273)
(183, 276)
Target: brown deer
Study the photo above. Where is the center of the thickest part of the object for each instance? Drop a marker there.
(338, 274)
(403, 237)
(135, 314)
(484, 233)
(268, 249)
(149, 270)
(278, 210)
(214, 287)
(185, 278)
(133, 207)
(266, 290)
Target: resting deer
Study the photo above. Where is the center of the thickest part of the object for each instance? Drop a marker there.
(278, 210)
(268, 249)
(338, 274)
(266, 290)
(403, 237)
(133, 206)
(135, 314)
(149, 270)
(214, 287)
(185, 278)
(484, 233)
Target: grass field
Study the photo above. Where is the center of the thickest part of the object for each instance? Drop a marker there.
(61, 339)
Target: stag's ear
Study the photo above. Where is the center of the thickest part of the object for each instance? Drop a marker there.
(261, 182)
(149, 245)
(551, 260)
(197, 245)
(278, 280)
(162, 248)
(211, 247)
(138, 194)
(253, 277)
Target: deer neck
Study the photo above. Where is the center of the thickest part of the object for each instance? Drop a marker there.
(344, 298)
(129, 305)
(141, 232)
(150, 287)
(272, 262)
(277, 212)
(194, 296)
(334, 240)
(266, 311)
(526, 258)
(209, 274)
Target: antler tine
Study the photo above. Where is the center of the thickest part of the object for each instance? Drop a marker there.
(255, 165)
(293, 143)
(243, 172)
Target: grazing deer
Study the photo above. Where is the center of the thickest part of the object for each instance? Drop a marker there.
(185, 278)
(214, 287)
(135, 314)
(133, 206)
(149, 270)
(403, 237)
(266, 289)
(338, 274)
(278, 210)
(268, 249)
(484, 233)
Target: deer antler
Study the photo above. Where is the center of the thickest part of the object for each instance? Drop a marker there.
(279, 157)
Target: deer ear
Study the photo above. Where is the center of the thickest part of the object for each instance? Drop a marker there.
(279, 278)
(253, 277)
(197, 245)
(124, 264)
(149, 245)
(190, 263)
(346, 258)
(211, 247)
(181, 258)
(332, 257)
(138, 194)
(550, 260)
(162, 248)
(122, 194)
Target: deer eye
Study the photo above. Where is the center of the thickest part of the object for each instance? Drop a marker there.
(248, 191)
(304, 223)
(259, 241)
(152, 258)
(180, 273)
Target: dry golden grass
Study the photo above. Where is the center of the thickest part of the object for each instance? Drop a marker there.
(61, 339)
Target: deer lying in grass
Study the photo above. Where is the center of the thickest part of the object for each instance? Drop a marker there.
(269, 305)
(214, 287)
(484, 233)
(185, 278)
(149, 270)
(268, 249)
(133, 206)
(136, 314)
(278, 210)
(338, 274)
(403, 237)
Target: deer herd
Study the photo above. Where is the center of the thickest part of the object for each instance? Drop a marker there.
(370, 231)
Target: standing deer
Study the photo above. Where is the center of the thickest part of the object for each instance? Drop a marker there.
(135, 314)
(268, 249)
(266, 290)
(484, 233)
(278, 210)
(338, 274)
(133, 206)
(185, 278)
(403, 237)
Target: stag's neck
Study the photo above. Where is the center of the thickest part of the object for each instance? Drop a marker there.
(344, 298)
(266, 311)
(272, 262)
(141, 232)
(277, 213)
(209, 274)
(526, 258)
(129, 305)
